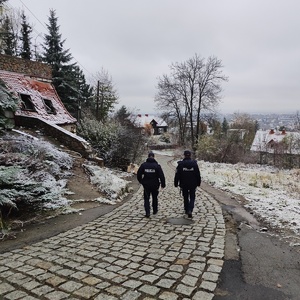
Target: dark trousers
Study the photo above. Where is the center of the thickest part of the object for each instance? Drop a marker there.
(189, 196)
(147, 194)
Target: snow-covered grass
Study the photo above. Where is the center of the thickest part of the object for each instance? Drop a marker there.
(108, 181)
(35, 171)
(32, 171)
(273, 195)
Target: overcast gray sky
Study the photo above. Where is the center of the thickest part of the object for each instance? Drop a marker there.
(137, 40)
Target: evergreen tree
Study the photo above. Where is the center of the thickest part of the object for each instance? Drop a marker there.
(2, 15)
(8, 102)
(225, 126)
(1, 29)
(9, 39)
(68, 79)
(256, 125)
(60, 61)
(83, 92)
(54, 53)
(122, 116)
(25, 38)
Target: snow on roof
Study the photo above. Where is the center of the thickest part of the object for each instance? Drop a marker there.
(37, 90)
(264, 138)
(142, 120)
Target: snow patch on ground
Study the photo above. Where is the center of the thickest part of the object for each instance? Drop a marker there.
(272, 194)
(108, 181)
(40, 173)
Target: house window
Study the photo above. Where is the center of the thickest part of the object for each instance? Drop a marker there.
(49, 106)
(26, 102)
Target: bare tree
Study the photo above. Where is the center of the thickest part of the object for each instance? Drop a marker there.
(192, 86)
(106, 95)
(169, 100)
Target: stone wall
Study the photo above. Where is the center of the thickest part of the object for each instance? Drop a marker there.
(162, 147)
(68, 139)
(25, 66)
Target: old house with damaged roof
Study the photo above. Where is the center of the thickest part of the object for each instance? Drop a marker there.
(39, 105)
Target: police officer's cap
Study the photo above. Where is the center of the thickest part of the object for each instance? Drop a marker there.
(150, 154)
(187, 153)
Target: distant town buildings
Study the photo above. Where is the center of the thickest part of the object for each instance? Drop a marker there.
(268, 121)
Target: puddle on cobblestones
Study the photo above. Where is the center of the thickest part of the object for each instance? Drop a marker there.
(180, 221)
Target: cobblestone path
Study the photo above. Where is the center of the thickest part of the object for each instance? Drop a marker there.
(123, 255)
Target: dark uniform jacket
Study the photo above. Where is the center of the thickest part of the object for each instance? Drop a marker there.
(150, 174)
(187, 174)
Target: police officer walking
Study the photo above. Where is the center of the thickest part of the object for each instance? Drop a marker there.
(188, 177)
(151, 176)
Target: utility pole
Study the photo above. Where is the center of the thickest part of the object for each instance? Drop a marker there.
(97, 100)
(36, 46)
(78, 109)
(101, 103)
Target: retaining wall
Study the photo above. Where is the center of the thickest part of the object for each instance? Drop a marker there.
(67, 138)
(25, 66)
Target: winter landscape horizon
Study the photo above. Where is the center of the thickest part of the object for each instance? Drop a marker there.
(271, 194)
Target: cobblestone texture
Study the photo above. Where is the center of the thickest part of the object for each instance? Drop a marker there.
(123, 255)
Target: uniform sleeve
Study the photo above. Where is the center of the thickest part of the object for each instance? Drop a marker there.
(198, 176)
(176, 178)
(161, 177)
(140, 173)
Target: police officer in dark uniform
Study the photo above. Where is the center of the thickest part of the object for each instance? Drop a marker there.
(151, 176)
(188, 177)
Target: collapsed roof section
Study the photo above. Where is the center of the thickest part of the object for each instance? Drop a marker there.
(37, 98)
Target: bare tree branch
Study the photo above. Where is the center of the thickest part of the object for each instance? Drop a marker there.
(192, 86)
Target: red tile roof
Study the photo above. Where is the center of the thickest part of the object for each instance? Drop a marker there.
(37, 90)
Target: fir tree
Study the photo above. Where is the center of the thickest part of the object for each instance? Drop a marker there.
(67, 77)
(122, 115)
(9, 39)
(54, 53)
(59, 59)
(25, 38)
(225, 126)
(84, 89)
(79, 93)
(8, 102)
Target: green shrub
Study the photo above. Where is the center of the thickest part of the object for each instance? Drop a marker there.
(8, 103)
(117, 144)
